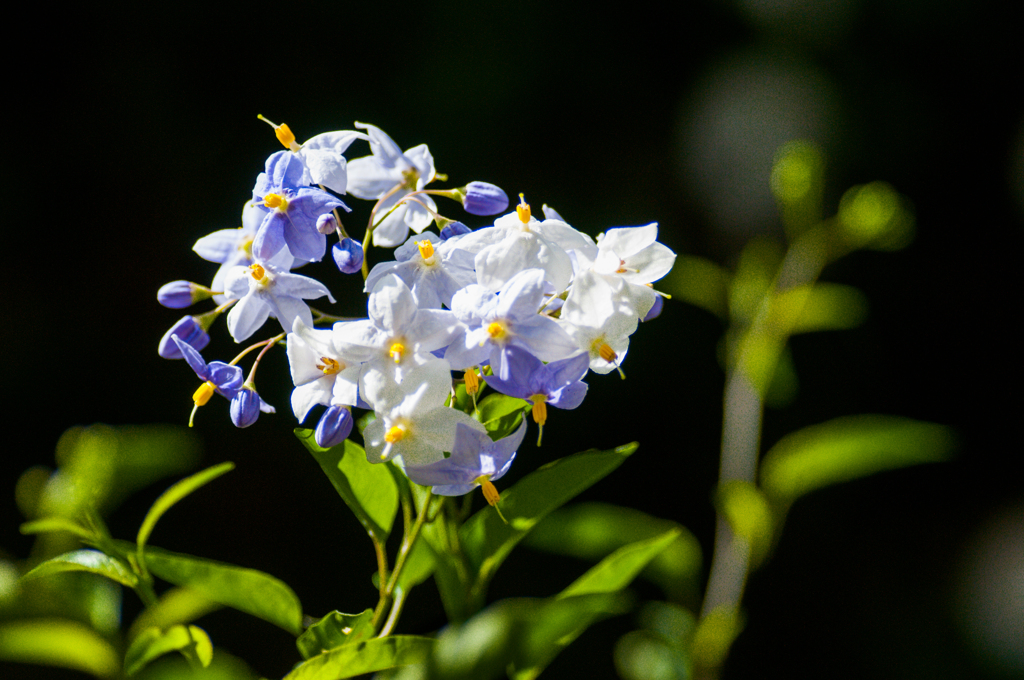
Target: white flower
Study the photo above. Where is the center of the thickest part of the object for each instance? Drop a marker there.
(320, 372)
(263, 290)
(393, 174)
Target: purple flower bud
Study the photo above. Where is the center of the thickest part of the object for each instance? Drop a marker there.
(187, 329)
(348, 255)
(655, 309)
(454, 229)
(178, 294)
(334, 427)
(245, 407)
(482, 198)
(326, 224)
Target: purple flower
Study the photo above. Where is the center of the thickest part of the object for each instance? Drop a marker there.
(558, 383)
(475, 461)
(482, 198)
(245, 407)
(189, 329)
(181, 294)
(219, 377)
(454, 229)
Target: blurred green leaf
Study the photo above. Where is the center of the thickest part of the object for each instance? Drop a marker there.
(618, 570)
(51, 524)
(175, 493)
(154, 642)
(797, 180)
(55, 642)
(755, 273)
(749, 515)
(92, 561)
(367, 656)
(643, 655)
(590, 531)
(487, 540)
(847, 448)
(175, 606)
(875, 216)
(700, 282)
(335, 630)
(821, 307)
(246, 590)
(367, 489)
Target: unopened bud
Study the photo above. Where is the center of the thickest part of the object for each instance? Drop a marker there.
(181, 294)
(454, 229)
(190, 330)
(326, 224)
(348, 255)
(245, 407)
(655, 310)
(482, 198)
(334, 427)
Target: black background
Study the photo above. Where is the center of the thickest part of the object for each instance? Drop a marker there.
(132, 133)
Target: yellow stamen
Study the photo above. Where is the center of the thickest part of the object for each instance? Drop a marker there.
(472, 382)
(523, 210)
(257, 271)
(496, 330)
(490, 492)
(607, 353)
(540, 408)
(329, 366)
(622, 267)
(396, 351)
(395, 434)
(426, 249)
(283, 134)
(203, 394)
(275, 201)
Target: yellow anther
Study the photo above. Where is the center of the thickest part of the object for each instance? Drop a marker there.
(490, 492)
(257, 271)
(496, 330)
(622, 267)
(540, 408)
(395, 434)
(523, 210)
(426, 249)
(203, 394)
(472, 382)
(283, 133)
(396, 352)
(605, 351)
(329, 366)
(275, 201)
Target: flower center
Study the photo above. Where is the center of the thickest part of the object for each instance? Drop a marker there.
(472, 382)
(426, 250)
(329, 366)
(203, 394)
(396, 351)
(395, 434)
(258, 272)
(409, 178)
(523, 210)
(496, 330)
(490, 492)
(605, 351)
(276, 201)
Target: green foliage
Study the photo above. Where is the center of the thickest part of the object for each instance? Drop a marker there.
(367, 489)
(797, 180)
(620, 568)
(54, 642)
(174, 494)
(714, 636)
(487, 540)
(875, 216)
(92, 561)
(501, 414)
(246, 590)
(746, 509)
(335, 630)
(366, 656)
(847, 448)
(660, 649)
(175, 606)
(700, 282)
(591, 531)
(154, 642)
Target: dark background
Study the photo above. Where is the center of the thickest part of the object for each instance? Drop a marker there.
(130, 134)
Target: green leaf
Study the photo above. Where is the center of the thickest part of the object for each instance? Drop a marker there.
(367, 489)
(51, 524)
(335, 630)
(501, 414)
(749, 516)
(620, 568)
(848, 448)
(367, 656)
(246, 590)
(92, 561)
(590, 531)
(487, 540)
(55, 642)
(175, 606)
(153, 643)
(700, 282)
(714, 636)
(174, 494)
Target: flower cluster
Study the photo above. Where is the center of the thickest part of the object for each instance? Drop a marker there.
(528, 306)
